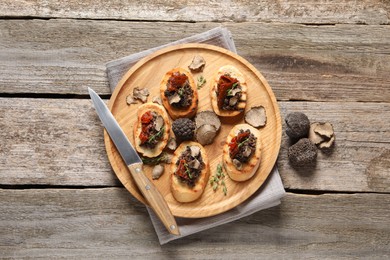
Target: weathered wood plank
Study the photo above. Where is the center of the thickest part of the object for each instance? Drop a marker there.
(108, 223)
(326, 63)
(60, 142)
(312, 12)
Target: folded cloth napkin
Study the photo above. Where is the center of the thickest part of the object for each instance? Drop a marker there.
(267, 196)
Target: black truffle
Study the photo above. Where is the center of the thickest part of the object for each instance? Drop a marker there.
(184, 129)
(302, 153)
(297, 125)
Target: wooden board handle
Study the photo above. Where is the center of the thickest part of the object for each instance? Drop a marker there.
(154, 197)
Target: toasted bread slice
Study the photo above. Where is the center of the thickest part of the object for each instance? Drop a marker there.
(181, 191)
(234, 73)
(175, 112)
(248, 168)
(146, 151)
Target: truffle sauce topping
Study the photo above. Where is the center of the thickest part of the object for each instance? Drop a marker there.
(229, 92)
(179, 91)
(152, 129)
(189, 165)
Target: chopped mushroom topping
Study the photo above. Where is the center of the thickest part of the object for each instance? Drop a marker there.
(175, 98)
(159, 123)
(195, 150)
(237, 164)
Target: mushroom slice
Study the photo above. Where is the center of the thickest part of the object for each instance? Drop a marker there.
(130, 100)
(324, 130)
(158, 170)
(159, 123)
(197, 64)
(175, 98)
(194, 164)
(205, 134)
(313, 136)
(327, 144)
(194, 150)
(237, 164)
(233, 101)
(207, 117)
(256, 116)
(234, 91)
(157, 100)
(141, 94)
(247, 151)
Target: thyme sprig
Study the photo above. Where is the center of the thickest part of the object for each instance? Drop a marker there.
(218, 179)
(162, 158)
(156, 135)
(200, 82)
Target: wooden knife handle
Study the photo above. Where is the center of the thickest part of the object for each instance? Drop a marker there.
(154, 197)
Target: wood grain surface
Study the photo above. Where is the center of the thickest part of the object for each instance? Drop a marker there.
(71, 128)
(313, 63)
(106, 223)
(148, 73)
(309, 12)
(61, 199)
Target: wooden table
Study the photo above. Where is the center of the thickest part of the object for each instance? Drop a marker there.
(59, 196)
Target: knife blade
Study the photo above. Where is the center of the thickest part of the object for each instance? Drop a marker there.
(134, 164)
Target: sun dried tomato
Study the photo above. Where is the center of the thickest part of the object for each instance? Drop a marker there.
(177, 81)
(234, 143)
(146, 117)
(146, 126)
(181, 169)
(225, 83)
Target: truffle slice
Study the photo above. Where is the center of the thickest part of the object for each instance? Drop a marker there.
(256, 116)
(197, 64)
(205, 134)
(302, 153)
(297, 125)
(141, 94)
(130, 100)
(207, 117)
(322, 135)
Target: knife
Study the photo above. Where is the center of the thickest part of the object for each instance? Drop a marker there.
(134, 164)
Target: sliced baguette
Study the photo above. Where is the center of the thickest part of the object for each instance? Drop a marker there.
(138, 128)
(234, 73)
(249, 168)
(173, 111)
(181, 191)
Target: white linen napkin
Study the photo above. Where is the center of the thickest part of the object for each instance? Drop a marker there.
(267, 196)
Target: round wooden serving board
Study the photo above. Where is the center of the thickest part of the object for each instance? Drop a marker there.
(147, 73)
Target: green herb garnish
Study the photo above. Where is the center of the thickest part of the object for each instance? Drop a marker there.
(162, 158)
(218, 179)
(201, 82)
(157, 135)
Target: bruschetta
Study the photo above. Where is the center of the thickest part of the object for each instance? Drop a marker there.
(242, 152)
(189, 171)
(228, 92)
(179, 93)
(151, 131)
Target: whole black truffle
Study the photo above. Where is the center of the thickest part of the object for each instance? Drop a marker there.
(297, 125)
(184, 129)
(302, 153)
